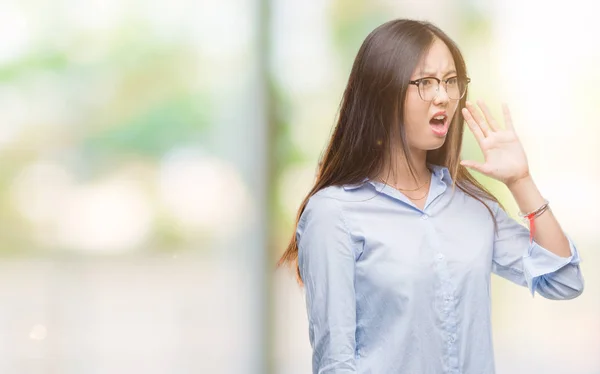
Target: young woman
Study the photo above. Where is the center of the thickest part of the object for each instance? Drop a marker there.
(396, 241)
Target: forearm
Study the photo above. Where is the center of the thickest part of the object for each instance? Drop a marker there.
(548, 232)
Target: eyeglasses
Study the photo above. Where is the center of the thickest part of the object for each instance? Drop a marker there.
(429, 87)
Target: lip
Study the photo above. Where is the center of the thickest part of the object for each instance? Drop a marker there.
(444, 130)
(442, 113)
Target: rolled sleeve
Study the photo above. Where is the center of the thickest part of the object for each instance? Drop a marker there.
(552, 276)
(533, 266)
(326, 259)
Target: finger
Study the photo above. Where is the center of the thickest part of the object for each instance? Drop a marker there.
(473, 126)
(478, 119)
(507, 117)
(478, 166)
(488, 115)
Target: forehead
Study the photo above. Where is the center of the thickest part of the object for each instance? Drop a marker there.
(437, 60)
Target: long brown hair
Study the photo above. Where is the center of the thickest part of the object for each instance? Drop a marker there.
(372, 110)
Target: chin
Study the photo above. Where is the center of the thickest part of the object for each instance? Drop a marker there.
(433, 145)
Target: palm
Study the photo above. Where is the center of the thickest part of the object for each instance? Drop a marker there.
(505, 158)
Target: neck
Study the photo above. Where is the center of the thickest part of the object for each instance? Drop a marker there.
(398, 172)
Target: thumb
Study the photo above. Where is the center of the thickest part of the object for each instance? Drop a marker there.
(473, 165)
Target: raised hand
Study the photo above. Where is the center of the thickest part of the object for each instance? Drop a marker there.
(505, 158)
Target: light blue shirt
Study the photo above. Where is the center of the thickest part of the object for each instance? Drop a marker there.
(391, 288)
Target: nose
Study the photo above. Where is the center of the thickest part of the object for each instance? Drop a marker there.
(442, 95)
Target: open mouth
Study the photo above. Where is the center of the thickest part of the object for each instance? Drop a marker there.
(439, 124)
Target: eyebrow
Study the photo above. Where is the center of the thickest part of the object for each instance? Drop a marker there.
(430, 74)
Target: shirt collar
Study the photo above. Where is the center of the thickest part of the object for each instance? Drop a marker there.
(349, 187)
(441, 174)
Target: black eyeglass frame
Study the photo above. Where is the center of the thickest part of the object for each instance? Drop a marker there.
(416, 82)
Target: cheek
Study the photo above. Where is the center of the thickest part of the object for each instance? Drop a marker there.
(415, 112)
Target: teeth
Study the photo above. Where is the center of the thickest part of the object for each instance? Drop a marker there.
(439, 117)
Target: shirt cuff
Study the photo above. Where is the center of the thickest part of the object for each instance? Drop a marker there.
(538, 261)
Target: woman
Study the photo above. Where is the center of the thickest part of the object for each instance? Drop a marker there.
(396, 241)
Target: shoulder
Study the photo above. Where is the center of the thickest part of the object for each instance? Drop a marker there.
(325, 205)
(327, 210)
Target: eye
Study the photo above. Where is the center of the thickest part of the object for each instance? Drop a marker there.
(452, 81)
(425, 82)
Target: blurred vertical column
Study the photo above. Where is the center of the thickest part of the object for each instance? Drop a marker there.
(247, 143)
(264, 182)
(241, 135)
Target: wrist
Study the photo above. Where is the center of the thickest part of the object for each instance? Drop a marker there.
(526, 194)
(519, 182)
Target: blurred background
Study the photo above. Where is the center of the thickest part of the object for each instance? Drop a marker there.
(153, 155)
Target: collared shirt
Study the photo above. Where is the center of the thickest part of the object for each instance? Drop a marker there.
(391, 288)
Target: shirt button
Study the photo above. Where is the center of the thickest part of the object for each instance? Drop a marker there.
(440, 256)
(424, 216)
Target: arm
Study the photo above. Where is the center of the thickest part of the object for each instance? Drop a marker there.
(326, 259)
(548, 232)
(550, 263)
